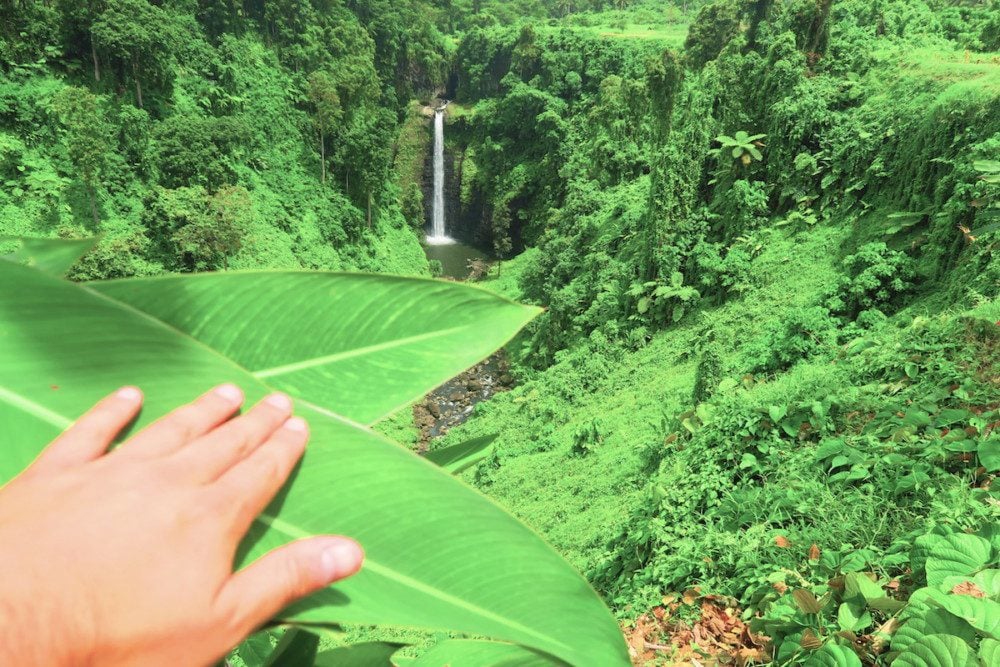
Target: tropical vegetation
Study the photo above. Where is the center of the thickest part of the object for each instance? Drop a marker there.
(757, 398)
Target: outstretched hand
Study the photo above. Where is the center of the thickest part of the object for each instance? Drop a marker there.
(126, 558)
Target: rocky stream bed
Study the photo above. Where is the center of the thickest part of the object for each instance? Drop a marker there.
(451, 404)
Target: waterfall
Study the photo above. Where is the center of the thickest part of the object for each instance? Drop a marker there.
(439, 232)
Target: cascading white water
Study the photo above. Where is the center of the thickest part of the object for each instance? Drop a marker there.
(439, 232)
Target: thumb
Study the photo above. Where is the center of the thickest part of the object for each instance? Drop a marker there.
(256, 594)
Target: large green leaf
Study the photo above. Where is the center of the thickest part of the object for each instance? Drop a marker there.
(473, 653)
(956, 555)
(929, 621)
(989, 454)
(937, 651)
(53, 256)
(860, 589)
(833, 655)
(361, 346)
(256, 649)
(440, 556)
(982, 614)
(297, 648)
(989, 652)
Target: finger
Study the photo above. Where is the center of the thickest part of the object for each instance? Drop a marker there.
(249, 486)
(92, 434)
(210, 457)
(186, 423)
(253, 596)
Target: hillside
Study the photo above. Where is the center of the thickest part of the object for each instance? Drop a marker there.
(766, 360)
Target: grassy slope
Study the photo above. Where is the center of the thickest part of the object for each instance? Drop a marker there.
(579, 502)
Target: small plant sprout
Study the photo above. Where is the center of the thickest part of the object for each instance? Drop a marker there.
(745, 147)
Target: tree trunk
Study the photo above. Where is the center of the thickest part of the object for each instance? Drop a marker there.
(97, 63)
(818, 31)
(322, 158)
(138, 84)
(92, 196)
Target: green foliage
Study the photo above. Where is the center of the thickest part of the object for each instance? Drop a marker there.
(743, 351)
(942, 623)
(716, 24)
(107, 103)
(742, 146)
(782, 343)
(87, 137)
(136, 36)
(200, 231)
(876, 278)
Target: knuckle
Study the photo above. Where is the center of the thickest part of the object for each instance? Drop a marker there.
(232, 620)
(296, 578)
(179, 422)
(273, 470)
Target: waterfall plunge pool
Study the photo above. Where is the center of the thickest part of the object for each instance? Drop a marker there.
(454, 258)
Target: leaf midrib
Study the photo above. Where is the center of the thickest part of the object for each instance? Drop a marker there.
(375, 567)
(355, 352)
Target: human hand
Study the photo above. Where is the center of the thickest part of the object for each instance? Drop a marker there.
(126, 558)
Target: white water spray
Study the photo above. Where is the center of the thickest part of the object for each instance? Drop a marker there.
(439, 231)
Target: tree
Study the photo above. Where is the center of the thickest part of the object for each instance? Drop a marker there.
(526, 54)
(79, 17)
(135, 34)
(819, 31)
(200, 230)
(87, 135)
(716, 24)
(328, 111)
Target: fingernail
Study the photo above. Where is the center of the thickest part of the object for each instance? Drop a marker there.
(279, 401)
(130, 394)
(230, 393)
(341, 559)
(296, 424)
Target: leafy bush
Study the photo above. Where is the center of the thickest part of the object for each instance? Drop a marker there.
(876, 278)
(785, 341)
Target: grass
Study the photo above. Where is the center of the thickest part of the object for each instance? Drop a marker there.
(960, 73)
(670, 35)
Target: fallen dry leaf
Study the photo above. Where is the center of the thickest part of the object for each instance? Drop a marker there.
(718, 637)
(691, 595)
(782, 541)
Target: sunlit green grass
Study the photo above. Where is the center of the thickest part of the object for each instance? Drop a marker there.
(962, 72)
(672, 35)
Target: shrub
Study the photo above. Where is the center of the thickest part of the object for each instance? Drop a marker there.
(784, 342)
(876, 278)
